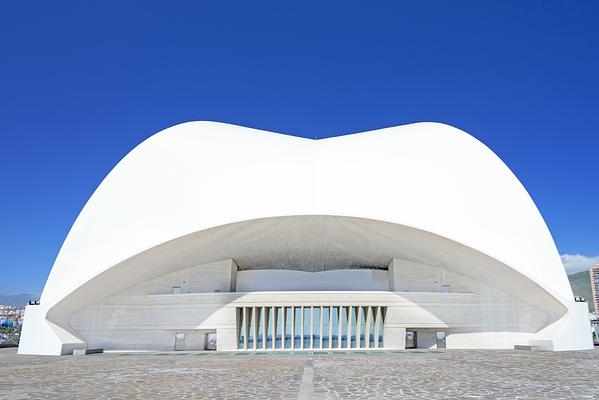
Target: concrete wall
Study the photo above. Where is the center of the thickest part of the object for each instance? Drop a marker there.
(340, 279)
(410, 276)
(218, 276)
(148, 315)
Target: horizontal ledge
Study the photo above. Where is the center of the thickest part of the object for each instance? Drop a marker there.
(311, 292)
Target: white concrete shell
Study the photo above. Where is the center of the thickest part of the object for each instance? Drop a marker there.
(202, 192)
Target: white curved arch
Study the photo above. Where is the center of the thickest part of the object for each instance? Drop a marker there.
(200, 175)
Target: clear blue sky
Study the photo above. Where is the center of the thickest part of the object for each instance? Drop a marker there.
(82, 83)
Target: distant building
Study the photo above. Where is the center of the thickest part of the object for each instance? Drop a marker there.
(594, 271)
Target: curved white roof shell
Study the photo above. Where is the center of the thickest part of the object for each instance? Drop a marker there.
(194, 178)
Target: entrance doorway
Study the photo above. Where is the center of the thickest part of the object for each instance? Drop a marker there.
(441, 339)
(411, 340)
(179, 341)
(210, 341)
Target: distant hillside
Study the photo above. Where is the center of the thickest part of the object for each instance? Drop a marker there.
(581, 286)
(17, 299)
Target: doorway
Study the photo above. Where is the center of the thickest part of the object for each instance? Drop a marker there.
(411, 340)
(210, 341)
(179, 341)
(441, 337)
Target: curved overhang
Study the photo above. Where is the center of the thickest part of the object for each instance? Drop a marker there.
(312, 244)
(199, 175)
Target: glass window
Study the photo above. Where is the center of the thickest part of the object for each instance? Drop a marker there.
(371, 338)
(288, 334)
(344, 327)
(352, 323)
(250, 317)
(440, 339)
(335, 333)
(307, 326)
(325, 327)
(316, 327)
(280, 329)
(242, 332)
(297, 332)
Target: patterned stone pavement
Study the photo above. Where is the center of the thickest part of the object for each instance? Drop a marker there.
(419, 374)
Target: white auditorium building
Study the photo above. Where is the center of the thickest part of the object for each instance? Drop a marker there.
(215, 236)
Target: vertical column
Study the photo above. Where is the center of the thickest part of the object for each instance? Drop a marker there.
(255, 327)
(264, 327)
(382, 328)
(358, 326)
(272, 323)
(320, 328)
(383, 318)
(367, 326)
(283, 326)
(339, 326)
(350, 312)
(302, 326)
(292, 328)
(311, 327)
(260, 320)
(393, 273)
(246, 327)
(377, 327)
(275, 326)
(232, 276)
(238, 325)
(375, 315)
(330, 327)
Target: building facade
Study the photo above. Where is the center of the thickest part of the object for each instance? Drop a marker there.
(594, 271)
(214, 236)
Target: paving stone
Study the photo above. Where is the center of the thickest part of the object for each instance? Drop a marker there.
(450, 374)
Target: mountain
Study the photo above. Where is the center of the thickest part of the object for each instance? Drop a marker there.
(17, 299)
(581, 286)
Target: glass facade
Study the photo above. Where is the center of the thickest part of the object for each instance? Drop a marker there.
(310, 327)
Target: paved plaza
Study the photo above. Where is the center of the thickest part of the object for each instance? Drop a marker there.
(418, 374)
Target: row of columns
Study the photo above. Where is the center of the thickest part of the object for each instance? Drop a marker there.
(255, 321)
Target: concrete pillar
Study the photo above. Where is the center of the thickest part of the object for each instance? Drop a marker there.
(358, 327)
(246, 328)
(302, 327)
(264, 326)
(233, 277)
(275, 326)
(330, 327)
(255, 327)
(367, 322)
(377, 326)
(292, 328)
(320, 328)
(273, 323)
(283, 326)
(350, 319)
(311, 327)
(339, 326)
(394, 275)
